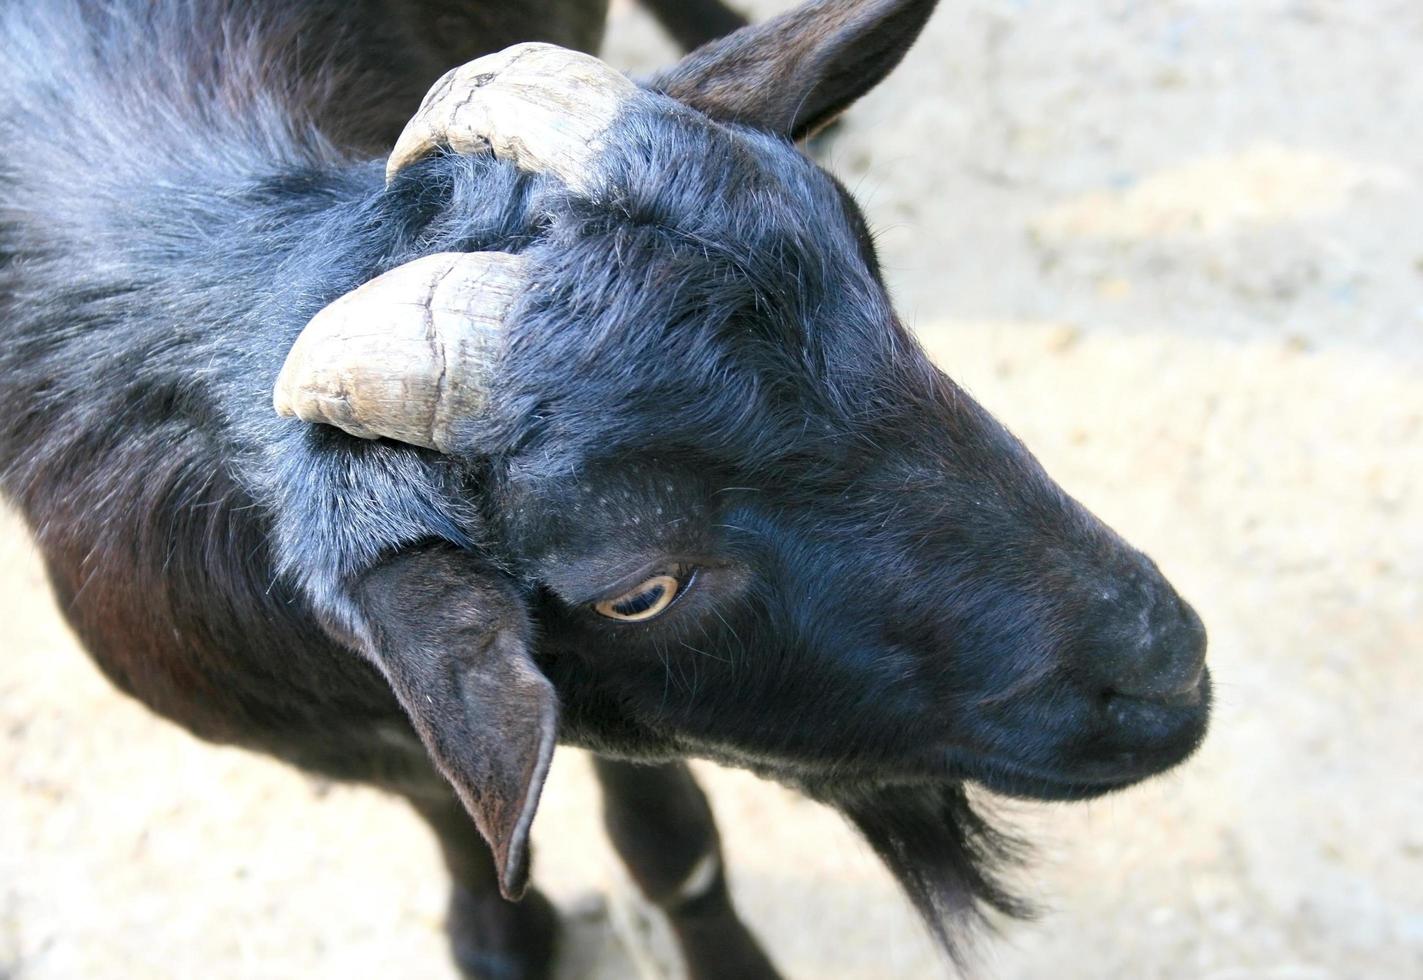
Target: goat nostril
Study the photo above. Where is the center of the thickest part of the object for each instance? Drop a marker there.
(1187, 684)
(1181, 698)
(1168, 671)
(1165, 663)
(1186, 696)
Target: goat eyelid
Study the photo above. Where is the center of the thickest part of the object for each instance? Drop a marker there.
(648, 599)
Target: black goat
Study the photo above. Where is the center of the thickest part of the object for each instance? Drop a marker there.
(690, 489)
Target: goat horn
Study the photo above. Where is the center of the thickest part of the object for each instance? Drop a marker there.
(544, 107)
(406, 355)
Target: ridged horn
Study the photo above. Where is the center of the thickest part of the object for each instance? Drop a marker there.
(406, 355)
(544, 107)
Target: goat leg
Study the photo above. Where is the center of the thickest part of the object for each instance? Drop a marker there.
(662, 827)
(489, 935)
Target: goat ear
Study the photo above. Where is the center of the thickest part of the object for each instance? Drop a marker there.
(795, 73)
(453, 639)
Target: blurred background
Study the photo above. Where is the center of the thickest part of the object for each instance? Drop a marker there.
(1177, 246)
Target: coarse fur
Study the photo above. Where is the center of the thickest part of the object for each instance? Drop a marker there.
(886, 595)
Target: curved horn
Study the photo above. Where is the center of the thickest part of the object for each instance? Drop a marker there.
(407, 354)
(542, 106)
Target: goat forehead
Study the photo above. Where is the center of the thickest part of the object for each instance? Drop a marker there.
(686, 208)
(686, 244)
(714, 293)
(721, 185)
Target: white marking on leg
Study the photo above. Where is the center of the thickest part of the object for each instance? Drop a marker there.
(700, 879)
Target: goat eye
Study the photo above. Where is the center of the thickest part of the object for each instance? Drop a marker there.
(643, 601)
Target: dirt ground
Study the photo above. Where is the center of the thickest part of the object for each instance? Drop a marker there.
(1177, 245)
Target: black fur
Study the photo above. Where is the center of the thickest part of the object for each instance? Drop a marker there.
(891, 597)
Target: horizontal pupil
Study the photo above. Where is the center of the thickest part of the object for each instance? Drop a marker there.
(641, 602)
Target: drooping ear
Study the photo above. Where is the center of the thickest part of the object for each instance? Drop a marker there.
(452, 637)
(795, 73)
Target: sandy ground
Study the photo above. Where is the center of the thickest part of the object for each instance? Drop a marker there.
(1178, 246)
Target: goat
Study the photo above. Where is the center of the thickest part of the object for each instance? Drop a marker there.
(598, 427)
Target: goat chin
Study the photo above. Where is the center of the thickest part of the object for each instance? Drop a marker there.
(946, 855)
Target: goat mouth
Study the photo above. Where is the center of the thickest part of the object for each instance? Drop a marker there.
(1132, 740)
(1078, 781)
(1016, 779)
